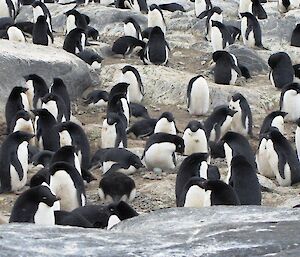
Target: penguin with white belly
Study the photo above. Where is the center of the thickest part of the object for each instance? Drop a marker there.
(282, 158)
(67, 184)
(218, 123)
(156, 18)
(15, 34)
(201, 7)
(113, 133)
(56, 106)
(198, 101)
(220, 36)
(166, 124)
(273, 119)
(75, 20)
(213, 14)
(7, 9)
(297, 138)
(194, 137)
(37, 89)
(159, 152)
(290, 101)
(137, 5)
(40, 9)
(132, 28)
(14, 161)
(262, 158)
(135, 90)
(242, 119)
(35, 206)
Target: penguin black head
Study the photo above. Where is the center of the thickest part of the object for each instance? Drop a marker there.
(72, 12)
(120, 88)
(298, 122)
(179, 142)
(22, 136)
(57, 82)
(41, 113)
(41, 19)
(274, 59)
(215, 23)
(238, 96)
(157, 32)
(225, 110)
(42, 194)
(49, 97)
(42, 157)
(230, 136)
(153, 7)
(33, 77)
(196, 158)
(23, 114)
(129, 20)
(16, 91)
(62, 126)
(168, 115)
(36, 3)
(127, 68)
(194, 125)
(123, 210)
(136, 162)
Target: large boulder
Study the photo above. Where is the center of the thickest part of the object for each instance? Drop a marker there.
(20, 59)
(214, 231)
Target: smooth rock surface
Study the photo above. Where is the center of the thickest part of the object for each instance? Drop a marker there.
(20, 59)
(214, 231)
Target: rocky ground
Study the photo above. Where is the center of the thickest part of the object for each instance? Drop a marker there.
(165, 87)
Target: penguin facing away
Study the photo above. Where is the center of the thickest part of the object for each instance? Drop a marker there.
(218, 123)
(287, 5)
(198, 100)
(116, 186)
(244, 181)
(226, 70)
(157, 48)
(257, 10)
(297, 138)
(37, 88)
(75, 41)
(159, 152)
(41, 34)
(295, 40)
(35, 205)
(242, 119)
(290, 101)
(282, 72)
(91, 58)
(194, 137)
(14, 161)
(67, 184)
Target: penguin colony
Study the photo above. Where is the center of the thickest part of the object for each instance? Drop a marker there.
(40, 130)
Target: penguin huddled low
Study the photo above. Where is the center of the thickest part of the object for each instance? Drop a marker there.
(290, 101)
(142, 128)
(159, 152)
(166, 124)
(35, 205)
(97, 98)
(138, 111)
(126, 44)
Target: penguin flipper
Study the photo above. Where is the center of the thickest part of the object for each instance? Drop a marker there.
(16, 163)
(248, 30)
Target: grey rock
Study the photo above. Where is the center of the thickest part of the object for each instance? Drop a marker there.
(20, 59)
(249, 58)
(213, 231)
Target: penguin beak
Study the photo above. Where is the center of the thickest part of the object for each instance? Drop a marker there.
(57, 198)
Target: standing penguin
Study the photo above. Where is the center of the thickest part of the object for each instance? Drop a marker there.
(198, 96)
(283, 159)
(15, 34)
(242, 119)
(251, 31)
(22, 122)
(201, 7)
(35, 205)
(116, 186)
(273, 119)
(59, 88)
(17, 100)
(67, 184)
(220, 36)
(56, 106)
(244, 6)
(75, 20)
(189, 168)
(14, 161)
(194, 137)
(218, 123)
(244, 181)
(226, 70)
(166, 124)
(257, 10)
(282, 72)
(159, 152)
(40, 9)
(157, 49)
(113, 132)
(290, 101)
(76, 136)
(156, 18)
(262, 159)
(295, 40)
(7, 9)
(37, 89)
(46, 135)
(132, 28)
(97, 98)
(135, 90)
(137, 5)
(287, 5)
(41, 34)
(75, 41)
(213, 14)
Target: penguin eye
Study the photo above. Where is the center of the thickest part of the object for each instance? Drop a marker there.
(112, 209)
(44, 198)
